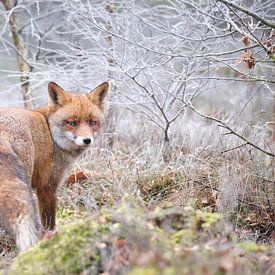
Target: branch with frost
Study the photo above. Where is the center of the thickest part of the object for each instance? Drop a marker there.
(230, 130)
(248, 12)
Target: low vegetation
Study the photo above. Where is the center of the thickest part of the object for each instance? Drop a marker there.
(132, 239)
(122, 213)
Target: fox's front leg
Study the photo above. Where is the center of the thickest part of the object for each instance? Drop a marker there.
(47, 206)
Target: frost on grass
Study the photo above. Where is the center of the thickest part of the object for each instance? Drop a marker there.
(135, 240)
(229, 178)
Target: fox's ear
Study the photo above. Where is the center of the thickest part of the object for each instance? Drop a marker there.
(57, 96)
(98, 95)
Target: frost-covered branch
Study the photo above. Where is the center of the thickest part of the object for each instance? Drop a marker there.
(248, 12)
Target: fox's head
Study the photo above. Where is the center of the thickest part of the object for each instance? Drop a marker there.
(75, 119)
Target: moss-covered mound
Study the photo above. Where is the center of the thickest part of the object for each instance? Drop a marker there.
(132, 239)
(72, 250)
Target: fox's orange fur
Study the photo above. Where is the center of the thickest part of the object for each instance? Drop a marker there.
(36, 150)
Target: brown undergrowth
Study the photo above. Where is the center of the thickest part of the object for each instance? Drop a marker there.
(237, 184)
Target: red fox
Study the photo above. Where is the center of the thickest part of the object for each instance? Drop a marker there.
(36, 149)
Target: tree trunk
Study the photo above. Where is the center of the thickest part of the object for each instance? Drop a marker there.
(112, 112)
(20, 52)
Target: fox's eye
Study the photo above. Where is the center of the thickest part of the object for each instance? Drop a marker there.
(72, 123)
(92, 123)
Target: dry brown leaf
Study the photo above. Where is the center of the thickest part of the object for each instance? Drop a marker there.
(249, 60)
(246, 41)
(76, 177)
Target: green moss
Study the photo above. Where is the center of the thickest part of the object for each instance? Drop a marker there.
(64, 213)
(162, 241)
(187, 218)
(207, 220)
(251, 247)
(144, 271)
(185, 237)
(154, 271)
(69, 252)
(130, 209)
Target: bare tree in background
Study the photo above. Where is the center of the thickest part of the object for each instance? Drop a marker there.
(165, 55)
(158, 54)
(19, 47)
(34, 26)
(194, 82)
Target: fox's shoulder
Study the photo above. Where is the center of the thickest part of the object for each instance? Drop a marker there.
(14, 111)
(19, 114)
(20, 118)
(26, 130)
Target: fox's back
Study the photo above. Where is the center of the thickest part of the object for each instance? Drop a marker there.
(15, 125)
(17, 151)
(25, 134)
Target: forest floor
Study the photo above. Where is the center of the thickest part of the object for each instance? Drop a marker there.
(125, 214)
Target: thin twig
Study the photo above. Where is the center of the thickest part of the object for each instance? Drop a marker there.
(234, 148)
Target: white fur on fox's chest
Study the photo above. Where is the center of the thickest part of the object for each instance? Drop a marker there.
(63, 162)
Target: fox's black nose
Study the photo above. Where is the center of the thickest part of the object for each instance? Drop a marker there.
(87, 140)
